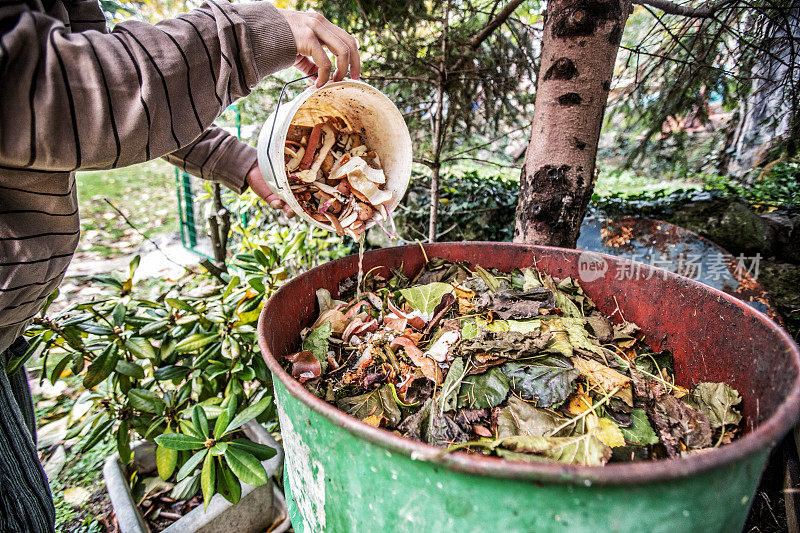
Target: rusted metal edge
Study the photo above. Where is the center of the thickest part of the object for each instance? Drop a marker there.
(760, 440)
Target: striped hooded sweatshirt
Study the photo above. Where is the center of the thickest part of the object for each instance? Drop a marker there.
(74, 96)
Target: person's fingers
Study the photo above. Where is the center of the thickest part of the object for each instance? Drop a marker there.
(329, 38)
(306, 66)
(321, 60)
(352, 46)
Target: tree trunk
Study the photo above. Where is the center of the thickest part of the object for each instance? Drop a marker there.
(579, 48)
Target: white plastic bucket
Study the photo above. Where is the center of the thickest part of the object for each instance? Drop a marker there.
(361, 106)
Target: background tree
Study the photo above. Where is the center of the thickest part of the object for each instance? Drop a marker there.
(580, 43)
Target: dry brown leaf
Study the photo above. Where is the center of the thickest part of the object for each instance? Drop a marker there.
(599, 374)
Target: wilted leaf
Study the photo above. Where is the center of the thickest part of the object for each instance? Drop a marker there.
(579, 449)
(305, 365)
(448, 398)
(425, 298)
(717, 401)
(549, 380)
(379, 402)
(76, 496)
(508, 304)
(522, 418)
(317, 343)
(483, 390)
(509, 344)
(601, 375)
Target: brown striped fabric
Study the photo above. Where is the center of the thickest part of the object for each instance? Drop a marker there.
(74, 96)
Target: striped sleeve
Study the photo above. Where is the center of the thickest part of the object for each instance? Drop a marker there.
(94, 100)
(219, 156)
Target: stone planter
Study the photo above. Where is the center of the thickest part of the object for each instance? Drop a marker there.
(258, 508)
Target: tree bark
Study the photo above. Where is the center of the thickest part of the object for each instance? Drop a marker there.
(579, 48)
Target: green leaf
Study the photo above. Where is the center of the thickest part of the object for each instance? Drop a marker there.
(483, 390)
(145, 400)
(189, 466)
(640, 431)
(102, 367)
(549, 381)
(222, 424)
(262, 452)
(232, 284)
(246, 467)
(118, 314)
(166, 461)
(195, 342)
(317, 343)
(140, 347)
(124, 442)
(132, 370)
(717, 401)
(249, 413)
(94, 329)
(169, 372)
(153, 327)
(200, 421)
(228, 485)
(208, 480)
(425, 298)
(585, 450)
(180, 304)
(99, 432)
(179, 441)
(133, 265)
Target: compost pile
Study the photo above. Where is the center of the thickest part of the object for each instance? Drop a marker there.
(518, 365)
(335, 177)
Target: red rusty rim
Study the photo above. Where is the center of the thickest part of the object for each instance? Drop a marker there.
(761, 439)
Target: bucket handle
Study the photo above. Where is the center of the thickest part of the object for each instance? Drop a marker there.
(274, 120)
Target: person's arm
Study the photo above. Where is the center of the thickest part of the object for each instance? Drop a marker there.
(94, 100)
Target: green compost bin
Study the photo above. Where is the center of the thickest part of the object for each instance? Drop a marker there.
(343, 475)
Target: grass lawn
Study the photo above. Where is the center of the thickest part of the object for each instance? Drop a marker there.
(145, 193)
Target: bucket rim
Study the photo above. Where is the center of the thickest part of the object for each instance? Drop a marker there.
(760, 440)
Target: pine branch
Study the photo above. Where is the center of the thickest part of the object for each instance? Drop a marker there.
(475, 41)
(671, 8)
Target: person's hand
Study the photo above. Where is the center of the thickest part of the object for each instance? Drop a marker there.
(311, 32)
(259, 186)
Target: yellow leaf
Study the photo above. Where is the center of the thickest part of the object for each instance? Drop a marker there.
(374, 420)
(606, 430)
(76, 495)
(578, 402)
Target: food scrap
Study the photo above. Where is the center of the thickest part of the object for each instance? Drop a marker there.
(336, 178)
(518, 365)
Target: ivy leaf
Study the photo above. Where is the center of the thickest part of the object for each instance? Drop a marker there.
(549, 381)
(640, 431)
(584, 449)
(425, 298)
(179, 441)
(717, 401)
(483, 390)
(317, 343)
(246, 467)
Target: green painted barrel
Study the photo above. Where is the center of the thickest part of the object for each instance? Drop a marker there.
(343, 475)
